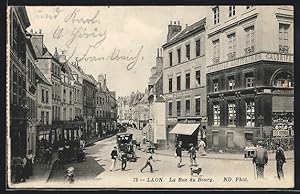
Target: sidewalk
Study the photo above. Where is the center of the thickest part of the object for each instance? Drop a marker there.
(221, 156)
(41, 172)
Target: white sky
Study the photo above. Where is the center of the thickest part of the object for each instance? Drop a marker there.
(127, 28)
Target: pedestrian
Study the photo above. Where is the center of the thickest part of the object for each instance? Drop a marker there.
(280, 160)
(60, 158)
(148, 163)
(123, 160)
(202, 147)
(114, 156)
(192, 151)
(48, 156)
(260, 159)
(18, 169)
(29, 162)
(23, 171)
(178, 153)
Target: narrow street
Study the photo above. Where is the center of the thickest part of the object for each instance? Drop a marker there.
(94, 172)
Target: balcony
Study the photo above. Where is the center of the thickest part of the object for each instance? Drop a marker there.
(216, 60)
(284, 49)
(249, 50)
(231, 55)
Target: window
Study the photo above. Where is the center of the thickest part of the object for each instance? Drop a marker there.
(197, 109)
(71, 113)
(198, 83)
(250, 40)
(178, 103)
(187, 81)
(231, 114)
(170, 58)
(230, 142)
(250, 113)
(215, 138)
(188, 51)
(231, 11)
(216, 51)
(179, 55)
(231, 46)
(70, 97)
(283, 79)
(216, 85)
(249, 6)
(170, 84)
(47, 96)
(283, 38)
(178, 82)
(216, 110)
(249, 80)
(216, 15)
(170, 108)
(43, 95)
(65, 113)
(15, 32)
(198, 46)
(187, 106)
(65, 95)
(47, 118)
(231, 83)
(42, 117)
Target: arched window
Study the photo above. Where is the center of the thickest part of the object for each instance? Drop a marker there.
(283, 79)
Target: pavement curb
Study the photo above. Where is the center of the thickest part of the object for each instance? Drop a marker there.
(213, 157)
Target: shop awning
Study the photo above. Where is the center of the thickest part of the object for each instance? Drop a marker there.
(184, 128)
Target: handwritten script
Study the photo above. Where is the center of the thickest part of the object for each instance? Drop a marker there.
(83, 35)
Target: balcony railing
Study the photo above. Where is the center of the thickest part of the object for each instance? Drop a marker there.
(284, 49)
(249, 50)
(216, 59)
(231, 55)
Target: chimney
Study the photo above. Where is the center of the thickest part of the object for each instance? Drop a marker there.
(173, 30)
(62, 58)
(101, 79)
(37, 43)
(159, 61)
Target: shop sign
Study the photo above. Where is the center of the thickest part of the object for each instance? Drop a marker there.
(44, 106)
(172, 120)
(280, 133)
(278, 57)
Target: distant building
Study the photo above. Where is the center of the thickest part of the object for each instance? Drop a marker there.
(250, 74)
(157, 109)
(184, 82)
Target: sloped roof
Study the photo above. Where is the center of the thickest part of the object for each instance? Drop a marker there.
(41, 76)
(186, 32)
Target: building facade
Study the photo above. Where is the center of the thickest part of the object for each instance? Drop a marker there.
(44, 106)
(250, 75)
(157, 109)
(184, 82)
(19, 109)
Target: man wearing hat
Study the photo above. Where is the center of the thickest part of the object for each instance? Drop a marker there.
(260, 159)
(280, 160)
(114, 155)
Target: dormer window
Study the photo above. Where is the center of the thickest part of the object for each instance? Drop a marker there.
(231, 11)
(216, 15)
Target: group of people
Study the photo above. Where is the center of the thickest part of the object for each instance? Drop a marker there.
(260, 160)
(22, 167)
(124, 158)
(192, 152)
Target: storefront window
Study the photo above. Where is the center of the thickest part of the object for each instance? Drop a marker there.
(216, 114)
(250, 113)
(231, 114)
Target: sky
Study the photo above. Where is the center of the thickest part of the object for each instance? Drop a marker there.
(119, 41)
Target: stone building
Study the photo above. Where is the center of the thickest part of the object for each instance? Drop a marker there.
(250, 73)
(20, 61)
(184, 82)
